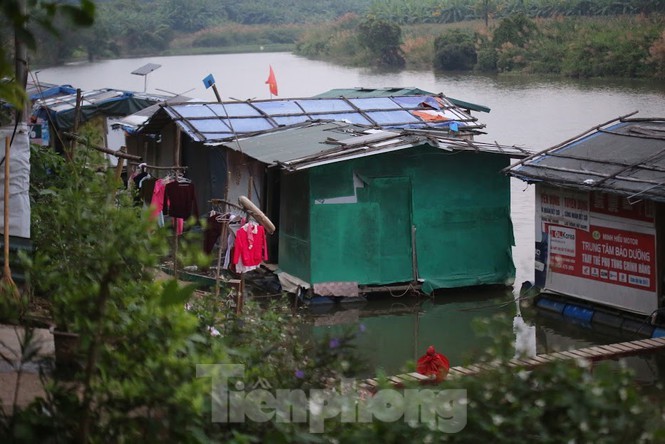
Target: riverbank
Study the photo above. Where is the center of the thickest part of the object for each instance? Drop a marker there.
(580, 47)
(576, 47)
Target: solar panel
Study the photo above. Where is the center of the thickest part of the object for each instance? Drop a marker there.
(383, 103)
(205, 126)
(284, 107)
(194, 110)
(409, 102)
(324, 105)
(248, 125)
(346, 117)
(146, 69)
(234, 110)
(392, 117)
(290, 120)
(252, 117)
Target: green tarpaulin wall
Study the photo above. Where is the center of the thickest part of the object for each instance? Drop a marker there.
(353, 221)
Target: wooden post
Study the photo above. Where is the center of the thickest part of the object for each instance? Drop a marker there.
(249, 188)
(214, 88)
(175, 248)
(222, 238)
(69, 154)
(416, 352)
(414, 254)
(120, 164)
(241, 291)
(176, 154)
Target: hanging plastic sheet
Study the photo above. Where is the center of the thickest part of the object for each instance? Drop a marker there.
(19, 179)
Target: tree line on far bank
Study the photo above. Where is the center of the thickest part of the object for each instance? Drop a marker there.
(631, 46)
(578, 38)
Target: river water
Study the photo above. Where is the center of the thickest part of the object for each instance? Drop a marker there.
(534, 113)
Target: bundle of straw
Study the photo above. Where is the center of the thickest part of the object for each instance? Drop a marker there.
(8, 284)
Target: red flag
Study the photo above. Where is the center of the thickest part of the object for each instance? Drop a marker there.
(272, 82)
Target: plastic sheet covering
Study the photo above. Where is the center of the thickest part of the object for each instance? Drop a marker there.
(434, 364)
(19, 180)
(290, 283)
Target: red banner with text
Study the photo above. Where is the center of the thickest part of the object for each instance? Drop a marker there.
(604, 254)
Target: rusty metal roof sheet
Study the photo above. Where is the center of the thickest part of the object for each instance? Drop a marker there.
(624, 156)
(320, 142)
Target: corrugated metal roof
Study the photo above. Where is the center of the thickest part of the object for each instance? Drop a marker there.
(37, 91)
(91, 98)
(317, 143)
(133, 121)
(60, 110)
(398, 91)
(212, 123)
(626, 158)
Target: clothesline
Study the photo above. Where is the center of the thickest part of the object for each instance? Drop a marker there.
(223, 201)
(155, 167)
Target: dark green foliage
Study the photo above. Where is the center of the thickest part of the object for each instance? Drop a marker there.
(486, 55)
(191, 15)
(382, 39)
(224, 37)
(617, 47)
(141, 338)
(20, 25)
(455, 50)
(277, 12)
(515, 31)
(95, 258)
(405, 12)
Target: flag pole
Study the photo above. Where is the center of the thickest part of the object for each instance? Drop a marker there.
(214, 88)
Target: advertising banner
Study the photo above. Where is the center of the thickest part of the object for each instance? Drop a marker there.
(599, 248)
(604, 254)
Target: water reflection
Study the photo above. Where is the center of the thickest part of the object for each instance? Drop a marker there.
(398, 330)
(556, 333)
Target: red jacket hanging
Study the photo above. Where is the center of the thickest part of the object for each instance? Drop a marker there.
(250, 245)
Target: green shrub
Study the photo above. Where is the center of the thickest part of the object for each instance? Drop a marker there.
(455, 50)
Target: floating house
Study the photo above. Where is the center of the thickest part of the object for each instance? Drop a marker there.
(192, 134)
(599, 218)
(366, 210)
(367, 193)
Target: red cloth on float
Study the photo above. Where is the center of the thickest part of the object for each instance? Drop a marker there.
(433, 363)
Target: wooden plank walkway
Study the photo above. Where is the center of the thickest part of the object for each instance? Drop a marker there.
(595, 353)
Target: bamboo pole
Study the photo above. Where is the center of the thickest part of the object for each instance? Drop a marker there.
(218, 272)
(77, 117)
(175, 248)
(120, 164)
(176, 154)
(119, 154)
(155, 167)
(249, 186)
(7, 281)
(241, 293)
